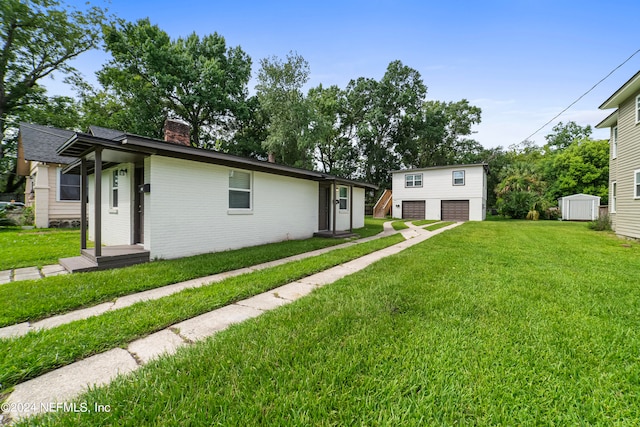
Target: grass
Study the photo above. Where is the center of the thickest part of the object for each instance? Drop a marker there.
(424, 222)
(38, 352)
(36, 247)
(491, 323)
(36, 299)
(399, 225)
(438, 225)
(372, 226)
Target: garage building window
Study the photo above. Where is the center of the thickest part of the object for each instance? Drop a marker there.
(458, 177)
(413, 180)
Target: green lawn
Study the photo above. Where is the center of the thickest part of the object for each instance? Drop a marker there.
(434, 227)
(424, 222)
(38, 352)
(400, 224)
(36, 247)
(35, 299)
(490, 323)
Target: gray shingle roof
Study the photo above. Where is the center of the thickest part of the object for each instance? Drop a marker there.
(105, 133)
(41, 142)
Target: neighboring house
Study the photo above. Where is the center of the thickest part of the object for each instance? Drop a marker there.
(448, 193)
(173, 200)
(55, 197)
(624, 160)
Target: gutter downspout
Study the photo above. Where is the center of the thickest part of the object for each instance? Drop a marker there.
(351, 209)
(83, 203)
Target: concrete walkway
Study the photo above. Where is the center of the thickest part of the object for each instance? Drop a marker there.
(30, 273)
(64, 384)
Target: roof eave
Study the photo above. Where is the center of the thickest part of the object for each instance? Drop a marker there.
(623, 93)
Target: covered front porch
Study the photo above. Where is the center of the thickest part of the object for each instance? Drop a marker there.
(96, 156)
(110, 257)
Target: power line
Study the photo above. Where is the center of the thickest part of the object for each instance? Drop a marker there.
(583, 95)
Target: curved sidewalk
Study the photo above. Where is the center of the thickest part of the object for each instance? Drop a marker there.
(66, 383)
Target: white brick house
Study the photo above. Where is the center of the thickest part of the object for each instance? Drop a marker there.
(448, 193)
(174, 200)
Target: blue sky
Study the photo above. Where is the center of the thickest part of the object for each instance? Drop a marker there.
(521, 61)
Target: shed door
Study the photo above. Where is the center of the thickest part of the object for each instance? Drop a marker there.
(455, 210)
(581, 210)
(413, 209)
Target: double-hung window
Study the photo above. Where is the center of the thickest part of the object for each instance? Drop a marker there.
(413, 180)
(614, 142)
(636, 184)
(239, 190)
(68, 187)
(637, 109)
(114, 189)
(458, 177)
(343, 198)
(614, 191)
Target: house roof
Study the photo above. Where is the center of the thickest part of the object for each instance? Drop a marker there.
(622, 94)
(609, 121)
(486, 167)
(127, 147)
(105, 132)
(39, 143)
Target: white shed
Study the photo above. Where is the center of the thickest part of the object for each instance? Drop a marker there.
(579, 207)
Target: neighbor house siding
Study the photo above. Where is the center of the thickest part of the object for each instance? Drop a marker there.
(627, 214)
(189, 209)
(60, 209)
(613, 168)
(437, 185)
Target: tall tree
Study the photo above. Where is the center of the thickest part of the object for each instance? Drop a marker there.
(333, 148)
(38, 38)
(198, 80)
(279, 91)
(379, 113)
(563, 135)
(438, 135)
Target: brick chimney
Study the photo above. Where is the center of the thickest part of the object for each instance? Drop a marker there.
(177, 132)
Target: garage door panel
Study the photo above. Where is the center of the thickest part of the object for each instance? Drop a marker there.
(455, 210)
(414, 209)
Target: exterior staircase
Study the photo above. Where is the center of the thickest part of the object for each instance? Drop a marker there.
(382, 208)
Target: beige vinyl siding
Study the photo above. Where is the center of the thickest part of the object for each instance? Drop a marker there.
(627, 215)
(613, 167)
(60, 209)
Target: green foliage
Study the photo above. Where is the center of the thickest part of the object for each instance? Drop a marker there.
(5, 221)
(603, 223)
(279, 91)
(581, 167)
(199, 80)
(38, 37)
(563, 136)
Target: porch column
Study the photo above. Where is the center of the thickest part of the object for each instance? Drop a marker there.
(351, 209)
(83, 203)
(333, 202)
(97, 205)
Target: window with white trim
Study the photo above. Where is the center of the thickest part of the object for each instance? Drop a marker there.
(614, 142)
(68, 187)
(636, 184)
(458, 177)
(239, 190)
(343, 198)
(413, 180)
(113, 195)
(637, 109)
(614, 195)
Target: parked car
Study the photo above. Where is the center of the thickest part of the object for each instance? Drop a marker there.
(11, 205)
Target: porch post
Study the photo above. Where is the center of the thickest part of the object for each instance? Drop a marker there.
(333, 202)
(83, 203)
(351, 209)
(97, 205)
